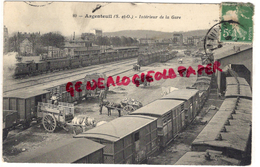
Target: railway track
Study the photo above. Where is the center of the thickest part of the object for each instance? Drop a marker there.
(67, 74)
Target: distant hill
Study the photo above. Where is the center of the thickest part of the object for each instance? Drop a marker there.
(153, 34)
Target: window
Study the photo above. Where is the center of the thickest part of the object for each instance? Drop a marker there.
(137, 136)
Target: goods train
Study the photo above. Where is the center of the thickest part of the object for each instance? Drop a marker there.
(83, 58)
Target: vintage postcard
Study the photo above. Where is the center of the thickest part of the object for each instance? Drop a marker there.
(127, 83)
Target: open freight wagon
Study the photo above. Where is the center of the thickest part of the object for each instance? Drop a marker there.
(128, 139)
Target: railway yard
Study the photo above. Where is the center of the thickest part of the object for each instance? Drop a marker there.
(22, 142)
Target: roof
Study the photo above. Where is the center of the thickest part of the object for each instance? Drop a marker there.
(233, 81)
(181, 94)
(198, 158)
(238, 131)
(244, 91)
(118, 128)
(127, 47)
(157, 108)
(26, 93)
(28, 59)
(204, 78)
(65, 151)
(227, 50)
(203, 81)
(85, 49)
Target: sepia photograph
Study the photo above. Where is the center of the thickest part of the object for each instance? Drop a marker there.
(127, 83)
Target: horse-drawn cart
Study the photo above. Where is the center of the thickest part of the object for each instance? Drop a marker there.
(125, 107)
(62, 115)
(55, 115)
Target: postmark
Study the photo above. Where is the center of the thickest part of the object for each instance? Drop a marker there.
(37, 3)
(212, 39)
(241, 27)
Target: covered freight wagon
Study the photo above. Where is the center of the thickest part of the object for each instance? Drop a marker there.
(191, 99)
(171, 118)
(66, 151)
(128, 139)
(25, 102)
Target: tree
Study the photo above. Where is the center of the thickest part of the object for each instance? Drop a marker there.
(123, 41)
(116, 41)
(33, 39)
(14, 42)
(130, 41)
(53, 39)
(102, 40)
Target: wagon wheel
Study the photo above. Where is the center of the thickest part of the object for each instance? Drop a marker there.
(128, 109)
(49, 123)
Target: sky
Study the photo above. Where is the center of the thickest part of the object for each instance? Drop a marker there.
(58, 16)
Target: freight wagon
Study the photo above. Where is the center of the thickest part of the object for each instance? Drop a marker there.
(127, 140)
(171, 118)
(237, 87)
(65, 151)
(190, 98)
(25, 103)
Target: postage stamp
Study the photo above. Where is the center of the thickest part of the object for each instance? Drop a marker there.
(238, 25)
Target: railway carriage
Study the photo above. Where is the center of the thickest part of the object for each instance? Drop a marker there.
(59, 64)
(24, 102)
(103, 58)
(75, 62)
(143, 59)
(171, 118)
(86, 61)
(204, 87)
(94, 59)
(42, 67)
(128, 140)
(237, 87)
(191, 101)
(65, 151)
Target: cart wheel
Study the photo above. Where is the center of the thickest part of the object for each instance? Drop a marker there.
(128, 109)
(49, 123)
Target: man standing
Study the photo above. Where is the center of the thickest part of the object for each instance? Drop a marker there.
(101, 100)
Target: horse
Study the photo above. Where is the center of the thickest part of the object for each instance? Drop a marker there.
(84, 120)
(180, 61)
(136, 67)
(101, 123)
